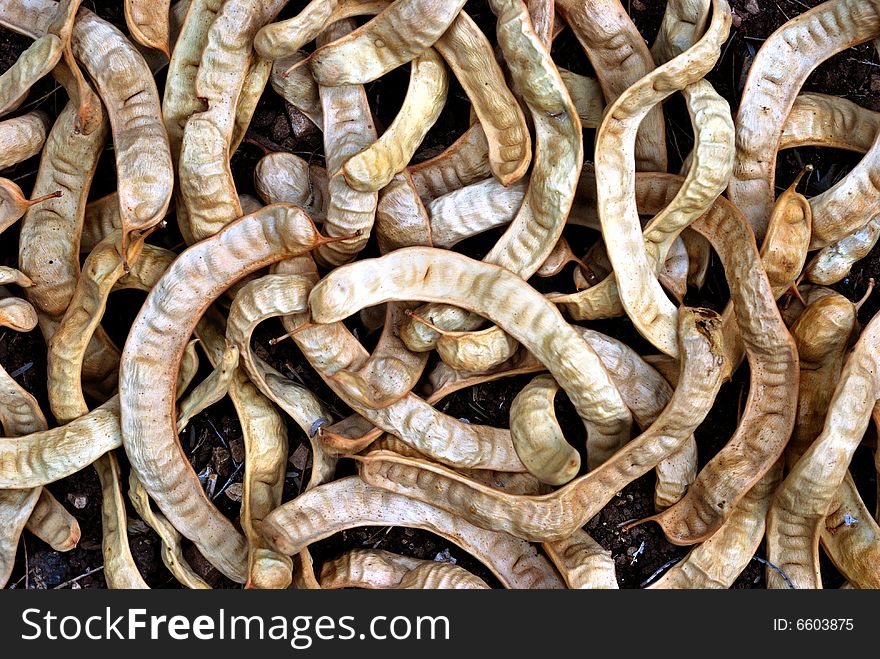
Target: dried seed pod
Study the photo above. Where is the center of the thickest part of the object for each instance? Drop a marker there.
(796, 48)
(620, 57)
(539, 441)
(12, 276)
(286, 178)
(372, 168)
(151, 359)
(432, 575)
(555, 516)
(22, 137)
(683, 24)
(349, 502)
(582, 562)
(150, 23)
(834, 262)
(399, 34)
(34, 63)
(784, 250)
(296, 85)
(13, 204)
(464, 162)
(366, 568)
(52, 524)
(829, 121)
(795, 519)
(587, 96)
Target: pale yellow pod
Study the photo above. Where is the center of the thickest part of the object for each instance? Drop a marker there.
(210, 390)
(296, 85)
(32, 65)
(432, 575)
(286, 178)
(15, 510)
(17, 314)
(120, 570)
(473, 209)
(151, 359)
(148, 22)
(399, 34)
(683, 24)
(464, 162)
(717, 562)
(784, 250)
(22, 137)
(582, 562)
(349, 503)
(476, 351)
(829, 121)
(587, 96)
(433, 275)
(255, 81)
(52, 524)
(673, 274)
(556, 515)
(15, 277)
(834, 262)
(653, 314)
(777, 74)
(13, 204)
(348, 129)
(67, 346)
(620, 57)
(539, 441)
(801, 502)
(366, 568)
(101, 217)
(401, 217)
(47, 456)
(172, 552)
(559, 155)
(372, 168)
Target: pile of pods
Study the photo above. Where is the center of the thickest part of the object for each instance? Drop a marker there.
(515, 498)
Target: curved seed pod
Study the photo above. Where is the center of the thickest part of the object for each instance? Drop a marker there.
(52, 524)
(683, 24)
(559, 155)
(48, 252)
(717, 562)
(372, 168)
(675, 475)
(647, 306)
(349, 502)
(17, 314)
(556, 515)
(542, 13)
(152, 355)
(348, 128)
(560, 257)
(700, 254)
(472, 209)
(673, 274)
(172, 552)
(620, 57)
(210, 390)
(367, 568)
(189, 366)
(67, 346)
(432, 575)
(835, 261)
(431, 275)
(286, 178)
(150, 23)
(539, 441)
(582, 562)
(22, 137)
(47, 456)
(770, 410)
(13, 203)
(796, 49)
(587, 96)
(473, 351)
(152, 264)
(206, 183)
(464, 162)
(264, 434)
(843, 208)
(705, 180)
(251, 91)
(120, 570)
(34, 63)
(12, 276)
(399, 34)
(829, 121)
(794, 522)
(784, 250)
(401, 218)
(180, 100)
(472, 60)
(444, 379)
(100, 219)
(20, 414)
(296, 85)
(822, 334)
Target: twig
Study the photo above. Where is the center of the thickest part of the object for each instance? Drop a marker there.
(79, 578)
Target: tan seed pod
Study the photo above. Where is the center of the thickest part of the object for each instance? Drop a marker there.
(296, 85)
(829, 121)
(34, 63)
(683, 24)
(366, 568)
(582, 562)
(587, 96)
(539, 441)
(52, 524)
(465, 161)
(784, 250)
(432, 575)
(149, 23)
(286, 178)
(13, 204)
(348, 502)
(834, 262)
(22, 137)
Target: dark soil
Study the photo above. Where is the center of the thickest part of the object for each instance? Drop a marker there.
(213, 439)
